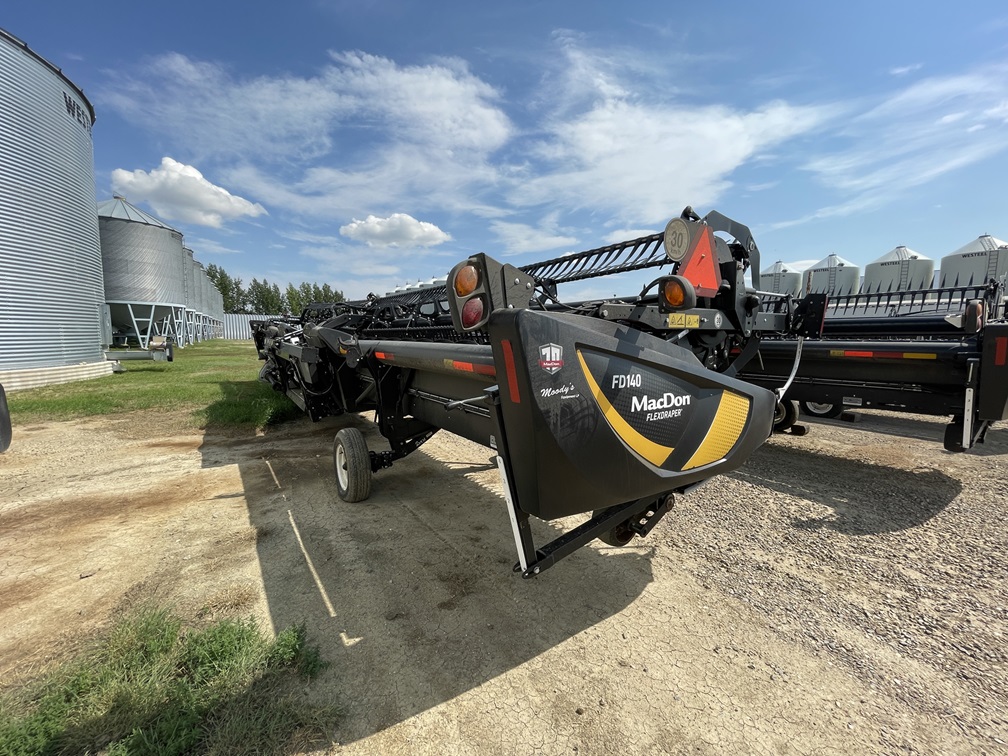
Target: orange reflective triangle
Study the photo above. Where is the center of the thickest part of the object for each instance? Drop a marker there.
(700, 267)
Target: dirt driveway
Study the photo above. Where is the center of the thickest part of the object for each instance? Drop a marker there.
(845, 592)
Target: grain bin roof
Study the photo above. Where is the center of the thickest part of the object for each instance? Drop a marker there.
(985, 243)
(832, 261)
(119, 208)
(901, 253)
(780, 267)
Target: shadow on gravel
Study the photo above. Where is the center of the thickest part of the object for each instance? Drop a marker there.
(866, 499)
(410, 594)
(930, 429)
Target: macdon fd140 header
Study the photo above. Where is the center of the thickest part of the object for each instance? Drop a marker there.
(607, 407)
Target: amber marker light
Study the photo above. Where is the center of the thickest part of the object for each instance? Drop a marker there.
(676, 293)
(466, 280)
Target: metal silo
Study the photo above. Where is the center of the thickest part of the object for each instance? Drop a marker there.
(832, 275)
(200, 303)
(974, 264)
(900, 269)
(189, 273)
(144, 272)
(51, 298)
(782, 279)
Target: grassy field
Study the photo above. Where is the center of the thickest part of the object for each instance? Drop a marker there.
(153, 685)
(216, 381)
(156, 683)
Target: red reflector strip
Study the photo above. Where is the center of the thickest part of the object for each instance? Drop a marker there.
(472, 367)
(382, 356)
(509, 368)
(1000, 350)
(883, 355)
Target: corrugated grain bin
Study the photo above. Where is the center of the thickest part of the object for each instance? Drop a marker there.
(199, 291)
(143, 258)
(976, 263)
(781, 279)
(900, 269)
(51, 291)
(188, 272)
(144, 273)
(832, 275)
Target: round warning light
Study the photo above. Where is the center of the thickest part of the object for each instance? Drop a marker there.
(472, 312)
(677, 293)
(674, 293)
(466, 280)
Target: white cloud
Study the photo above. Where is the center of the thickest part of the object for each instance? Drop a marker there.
(904, 70)
(626, 234)
(911, 138)
(599, 159)
(180, 192)
(397, 230)
(429, 129)
(522, 237)
(203, 246)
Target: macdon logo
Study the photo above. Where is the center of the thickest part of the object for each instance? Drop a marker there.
(667, 400)
(551, 358)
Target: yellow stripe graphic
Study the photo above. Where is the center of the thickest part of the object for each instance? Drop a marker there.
(725, 429)
(654, 453)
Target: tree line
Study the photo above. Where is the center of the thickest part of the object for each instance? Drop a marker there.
(264, 298)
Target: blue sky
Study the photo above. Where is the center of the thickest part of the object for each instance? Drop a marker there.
(367, 144)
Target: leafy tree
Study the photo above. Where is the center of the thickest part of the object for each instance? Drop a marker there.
(230, 288)
(329, 295)
(293, 297)
(262, 297)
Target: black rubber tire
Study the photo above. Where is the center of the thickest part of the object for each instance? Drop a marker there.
(351, 465)
(785, 415)
(821, 409)
(618, 536)
(954, 436)
(5, 423)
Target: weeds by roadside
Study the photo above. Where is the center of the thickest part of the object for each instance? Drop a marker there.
(153, 685)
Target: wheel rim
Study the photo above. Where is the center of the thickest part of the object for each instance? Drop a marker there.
(341, 467)
(819, 408)
(622, 534)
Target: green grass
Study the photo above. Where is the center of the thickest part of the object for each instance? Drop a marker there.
(151, 685)
(214, 381)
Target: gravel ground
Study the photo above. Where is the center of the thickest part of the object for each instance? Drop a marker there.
(869, 544)
(843, 592)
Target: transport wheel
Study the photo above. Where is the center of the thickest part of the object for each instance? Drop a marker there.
(785, 415)
(821, 409)
(618, 536)
(953, 436)
(352, 464)
(5, 423)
